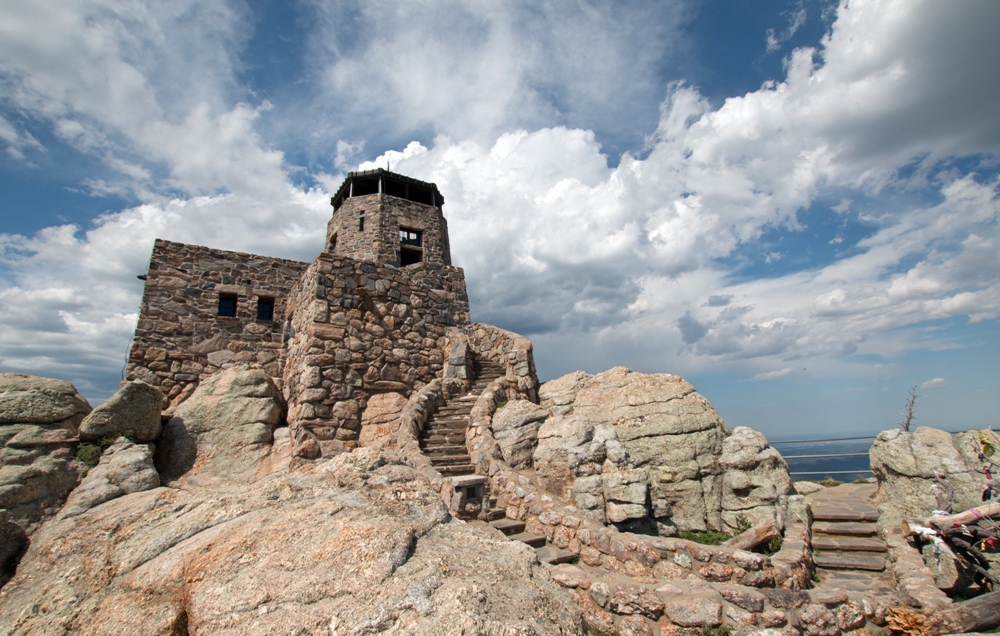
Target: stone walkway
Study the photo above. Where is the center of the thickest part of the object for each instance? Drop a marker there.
(847, 551)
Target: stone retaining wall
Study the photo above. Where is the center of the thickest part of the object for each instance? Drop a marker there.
(360, 328)
(180, 339)
(486, 342)
(909, 570)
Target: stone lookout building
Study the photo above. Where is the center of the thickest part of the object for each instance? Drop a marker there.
(370, 314)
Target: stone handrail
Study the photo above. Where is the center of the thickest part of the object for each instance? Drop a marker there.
(412, 420)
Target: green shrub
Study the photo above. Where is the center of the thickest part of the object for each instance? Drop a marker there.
(501, 404)
(89, 454)
(772, 546)
(704, 538)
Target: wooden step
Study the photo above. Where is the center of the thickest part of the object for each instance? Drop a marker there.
(849, 561)
(534, 540)
(832, 513)
(496, 514)
(833, 543)
(508, 526)
(553, 555)
(848, 528)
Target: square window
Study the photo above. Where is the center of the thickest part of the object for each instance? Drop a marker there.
(265, 309)
(227, 305)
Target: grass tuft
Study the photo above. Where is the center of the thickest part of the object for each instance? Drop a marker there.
(704, 538)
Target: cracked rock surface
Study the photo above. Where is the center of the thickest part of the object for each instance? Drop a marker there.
(359, 544)
(667, 429)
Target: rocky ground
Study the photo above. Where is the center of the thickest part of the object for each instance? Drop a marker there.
(357, 545)
(208, 525)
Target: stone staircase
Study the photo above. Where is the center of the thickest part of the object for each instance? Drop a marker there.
(514, 530)
(443, 438)
(847, 550)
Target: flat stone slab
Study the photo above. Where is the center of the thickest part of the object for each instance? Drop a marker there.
(843, 513)
(849, 561)
(508, 526)
(852, 544)
(553, 555)
(848, 528)
(534, 540)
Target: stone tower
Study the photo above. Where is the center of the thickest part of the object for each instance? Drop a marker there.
(387, 218)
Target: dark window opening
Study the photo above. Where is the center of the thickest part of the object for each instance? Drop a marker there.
(420, 195)
(409, 237)
(265, 309)
(333, 243)
(361, 224)
(227, 305)
(409, 257)
(365, 186)
(394, 188)
(470, 492)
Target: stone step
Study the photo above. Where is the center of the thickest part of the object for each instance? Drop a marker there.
(534, 540)
(456, 411)
(439, 424)
(553, 555)
(449, 460)
(849, 561)
(508, 526)
(838, 513)
(849, 528)
(496, 514)
(445, 449)
(832, 543)
(441, 440)
(454, 471)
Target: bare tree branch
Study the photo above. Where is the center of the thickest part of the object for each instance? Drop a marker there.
(909, 411)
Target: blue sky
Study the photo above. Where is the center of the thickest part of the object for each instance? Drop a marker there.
(792, 204)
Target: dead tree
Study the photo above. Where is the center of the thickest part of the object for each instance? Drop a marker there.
(979, 614)
(909, 411)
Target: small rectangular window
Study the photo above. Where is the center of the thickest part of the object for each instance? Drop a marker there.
(227, 305)
(265, 309)
(361, 224)
(409, 237)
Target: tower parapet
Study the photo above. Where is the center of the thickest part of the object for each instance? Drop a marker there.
(388, 218)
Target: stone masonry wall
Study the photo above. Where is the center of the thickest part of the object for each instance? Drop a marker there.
(384, 216)
(361, 328)
(180, 339)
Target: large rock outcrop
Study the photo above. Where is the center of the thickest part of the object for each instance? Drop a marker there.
(360, 544)
(678, 464)
(515, 428)
(905, 464)
(39, 419)
(124, 468)
(224, 429)
(755, 481)
(587, 466)
(133, 411)
(668, 430)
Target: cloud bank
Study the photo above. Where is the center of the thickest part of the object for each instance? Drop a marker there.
(820, 222)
